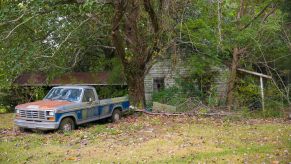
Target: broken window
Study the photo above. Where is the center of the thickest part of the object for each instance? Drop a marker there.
(88, 94)
(159, 84)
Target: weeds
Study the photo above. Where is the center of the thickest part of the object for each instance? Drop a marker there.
(151, 140)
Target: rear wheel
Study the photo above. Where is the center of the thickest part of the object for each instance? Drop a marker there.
(67, 124)
(116, 115)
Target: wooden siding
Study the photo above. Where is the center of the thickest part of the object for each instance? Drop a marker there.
(165, 69)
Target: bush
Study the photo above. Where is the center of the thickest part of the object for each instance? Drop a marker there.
(9, 98)
(111, 91)
(4, 109)
(248, 98)
(171, 96)
(247, 92)
(202, 87)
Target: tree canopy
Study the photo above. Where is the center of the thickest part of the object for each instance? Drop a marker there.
(127, 36)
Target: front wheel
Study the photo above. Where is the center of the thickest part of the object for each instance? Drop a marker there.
(23, 130)
(67, 124)
(116, 115)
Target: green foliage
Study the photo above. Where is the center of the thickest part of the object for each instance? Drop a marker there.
(117, 74)
(39, 93)
(171, 96)
(111, 91)
(273, 109)
(51, 37)
(18, 95)
(247, 91)
(200, 86)
(3, 109)
(286, 8)
(55, 36)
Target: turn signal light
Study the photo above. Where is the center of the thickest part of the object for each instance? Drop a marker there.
(51, 119)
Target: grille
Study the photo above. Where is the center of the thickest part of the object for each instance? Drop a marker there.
(32, 114)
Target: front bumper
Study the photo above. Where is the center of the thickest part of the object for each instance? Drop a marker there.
(36, 124)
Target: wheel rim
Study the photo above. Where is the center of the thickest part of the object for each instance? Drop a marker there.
(67, 127)
(116, 117)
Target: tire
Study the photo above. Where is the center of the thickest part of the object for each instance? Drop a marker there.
(67, 124)
(116, 115)
(23, 130)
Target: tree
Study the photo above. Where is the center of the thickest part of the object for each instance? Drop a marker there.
(137, 33)
(236, 34)
(61, 36)
(58, 36)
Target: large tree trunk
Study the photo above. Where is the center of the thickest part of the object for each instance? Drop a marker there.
(235, 61)
(134, 73)
(136, 91)
(232, 77)
(131, 44)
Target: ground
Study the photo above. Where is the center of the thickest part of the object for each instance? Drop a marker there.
(152, 139)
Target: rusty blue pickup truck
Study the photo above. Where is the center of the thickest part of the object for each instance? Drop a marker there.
(65, 107)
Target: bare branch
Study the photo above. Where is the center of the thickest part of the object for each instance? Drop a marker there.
(12, 21)
(7, 36)
(270, 13)
(73, 65)
(285, 92)
(257, 16)
(67, 37)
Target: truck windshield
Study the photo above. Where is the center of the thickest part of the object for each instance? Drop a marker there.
(67, 94)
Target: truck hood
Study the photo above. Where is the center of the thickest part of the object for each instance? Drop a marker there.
(44, 104)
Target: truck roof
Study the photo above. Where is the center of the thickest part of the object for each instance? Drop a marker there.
(75, 86)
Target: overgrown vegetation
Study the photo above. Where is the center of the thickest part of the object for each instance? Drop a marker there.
(17, 95)
(126, 37)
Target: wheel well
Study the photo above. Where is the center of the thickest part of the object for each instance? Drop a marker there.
(72, 117)
(118, 108)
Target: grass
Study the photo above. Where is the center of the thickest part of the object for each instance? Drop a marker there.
(148, 139)
(6, 120)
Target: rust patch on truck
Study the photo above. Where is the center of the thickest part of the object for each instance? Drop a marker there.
(43, 104)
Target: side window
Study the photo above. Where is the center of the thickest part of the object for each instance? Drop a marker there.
(88, 93)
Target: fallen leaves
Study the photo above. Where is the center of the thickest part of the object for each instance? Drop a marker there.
(157, 138)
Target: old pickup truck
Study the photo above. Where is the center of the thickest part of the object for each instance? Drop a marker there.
(65, 107)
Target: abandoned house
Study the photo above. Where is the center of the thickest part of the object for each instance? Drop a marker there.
(163, 74)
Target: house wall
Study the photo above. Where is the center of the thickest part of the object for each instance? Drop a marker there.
(165, 69)
(162, 69)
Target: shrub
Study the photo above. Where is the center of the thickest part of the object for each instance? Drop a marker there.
(171, 96)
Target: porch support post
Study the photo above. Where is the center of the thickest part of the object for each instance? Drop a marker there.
(262, 93)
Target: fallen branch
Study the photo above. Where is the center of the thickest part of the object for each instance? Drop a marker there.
(161, 113)
(186, 114)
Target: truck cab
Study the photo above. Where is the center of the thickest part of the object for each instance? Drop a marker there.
(65, 107)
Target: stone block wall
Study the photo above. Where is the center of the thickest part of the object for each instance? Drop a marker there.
(162, 69)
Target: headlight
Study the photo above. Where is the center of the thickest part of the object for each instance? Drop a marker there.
(17, 111)
(50, 113)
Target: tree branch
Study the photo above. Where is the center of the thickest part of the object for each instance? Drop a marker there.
(116, 35)
(12, 21)
(10, 32)
(67, 37)
(155, 24)
(153, 16)
(257, 16)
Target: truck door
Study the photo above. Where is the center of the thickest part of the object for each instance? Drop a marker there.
(91, 106)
